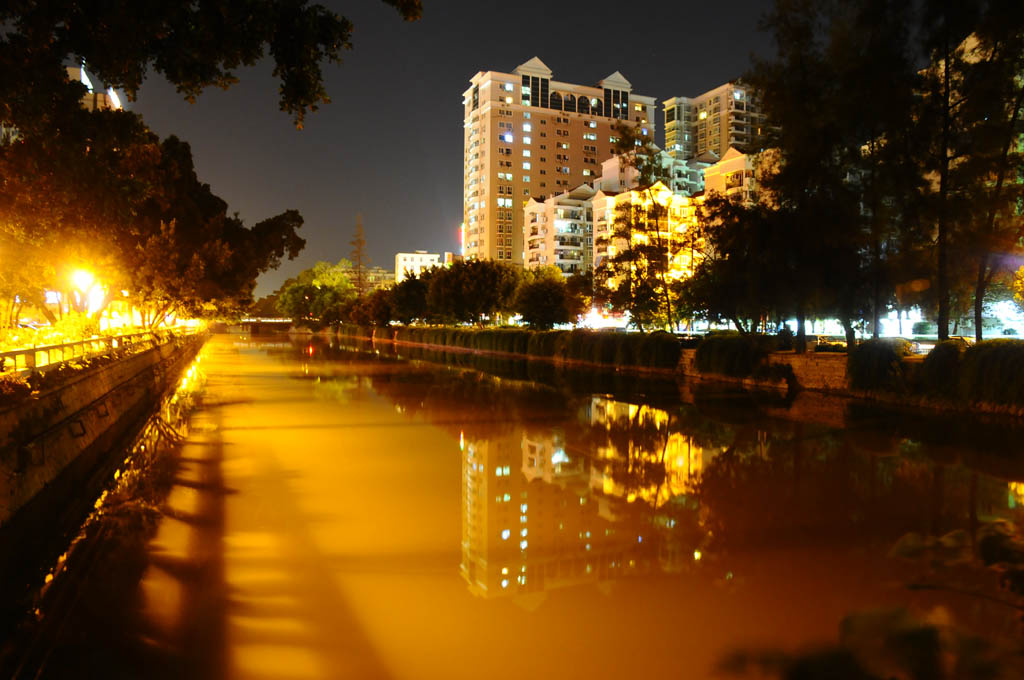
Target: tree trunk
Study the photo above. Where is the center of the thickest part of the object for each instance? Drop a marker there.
(800, 346)
(984, 275)
(851, 335)
(942, 236)
(979, 294)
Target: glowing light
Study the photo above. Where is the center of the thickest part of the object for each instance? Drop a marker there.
(309, 350)
(462, 441)
(696, 555)
(82, 279)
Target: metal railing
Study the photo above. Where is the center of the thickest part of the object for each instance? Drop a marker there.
(28, 359)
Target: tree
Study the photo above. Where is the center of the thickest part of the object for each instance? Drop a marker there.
(994, 79)
(318, 296)
(359, 258)
(409, 299)
(636, 278)
(946, 23)
(470, 291)
(544, 302)
(194, 46)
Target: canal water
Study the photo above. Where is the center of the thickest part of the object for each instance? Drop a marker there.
(346, 512)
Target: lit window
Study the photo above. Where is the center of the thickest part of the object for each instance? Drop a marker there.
(505, 533)
(592, 124)
(643, 131)
(638, 107)
(586, 173)
(508, 100)
(526, 153)
(522, 508)
(526, 178)
(507, 87)
(523, 532)
(527, 127)
(526, 116)
(523, 544)
(507, 468)
(504, 583)
(703, 115)
(507, 137)
(526, 165)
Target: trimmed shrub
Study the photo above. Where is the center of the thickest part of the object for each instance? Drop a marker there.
(940, 371)
(877, 364)
(659, 350)
(993, 371)
(924, 328)
(730, 354)
(832, 347)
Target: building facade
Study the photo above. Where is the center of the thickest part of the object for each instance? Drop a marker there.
(677, 216)
(528, 135)
(726, 116)
(734, 175)
(560, 231)
(414, 263)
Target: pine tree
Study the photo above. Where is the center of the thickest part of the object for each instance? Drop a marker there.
(360, 259)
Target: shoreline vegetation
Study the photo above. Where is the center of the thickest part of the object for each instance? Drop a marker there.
(986, 378)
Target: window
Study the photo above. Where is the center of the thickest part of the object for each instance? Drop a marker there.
(613, 140)
(507, 137)
(526, 115)
(527, 127)
(638, 107)
(593, 137)
(526, 178)
(526, 153)
(592, 124)
(508, 100)
(527, 140)
(507, 87)
(526, 165)
(703, 115)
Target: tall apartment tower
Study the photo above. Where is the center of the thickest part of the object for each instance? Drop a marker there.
(725, 116)
(527, 135)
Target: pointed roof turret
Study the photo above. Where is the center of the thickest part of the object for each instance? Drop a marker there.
(534, 67)
(616, 81)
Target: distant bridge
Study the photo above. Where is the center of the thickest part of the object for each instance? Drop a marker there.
(256, 325)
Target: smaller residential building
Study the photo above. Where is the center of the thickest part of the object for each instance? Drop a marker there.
(560, 231)
(725, 116)
(414, 263)
(680, 217)
(734, 175)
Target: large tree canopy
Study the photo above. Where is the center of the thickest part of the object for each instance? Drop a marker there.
(193, 44)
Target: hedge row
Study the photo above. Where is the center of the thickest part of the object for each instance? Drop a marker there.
(991, 371)
(644, 350)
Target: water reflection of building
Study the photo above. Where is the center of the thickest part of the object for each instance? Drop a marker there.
(639, 444)
(530, 525)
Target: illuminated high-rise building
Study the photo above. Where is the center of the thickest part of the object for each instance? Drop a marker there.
(726, 116)
(528, 135)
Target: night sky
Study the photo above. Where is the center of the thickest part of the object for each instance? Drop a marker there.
(389, 145)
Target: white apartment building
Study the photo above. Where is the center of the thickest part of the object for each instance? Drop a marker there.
(414, 263)
(526, 134)
(560, 231)
(726, 116)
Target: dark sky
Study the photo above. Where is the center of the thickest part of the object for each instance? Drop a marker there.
(389, 146)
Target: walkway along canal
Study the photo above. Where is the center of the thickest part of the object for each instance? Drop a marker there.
(339, 512)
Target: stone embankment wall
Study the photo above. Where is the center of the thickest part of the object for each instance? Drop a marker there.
(820, 371)
(54, 447)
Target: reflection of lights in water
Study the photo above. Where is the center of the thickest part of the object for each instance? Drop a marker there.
(462, 441)
(310, 350)
(1016, 496)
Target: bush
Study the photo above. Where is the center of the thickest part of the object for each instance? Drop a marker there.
(659, 350)
(877, 364)
(730, 354)
(13, 389)
(833, 347)
(940, 371)
(993, 371)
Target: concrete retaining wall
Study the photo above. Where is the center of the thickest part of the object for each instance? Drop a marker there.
(52, 445)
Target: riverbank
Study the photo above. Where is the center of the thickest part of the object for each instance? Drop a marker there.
(786, 372)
